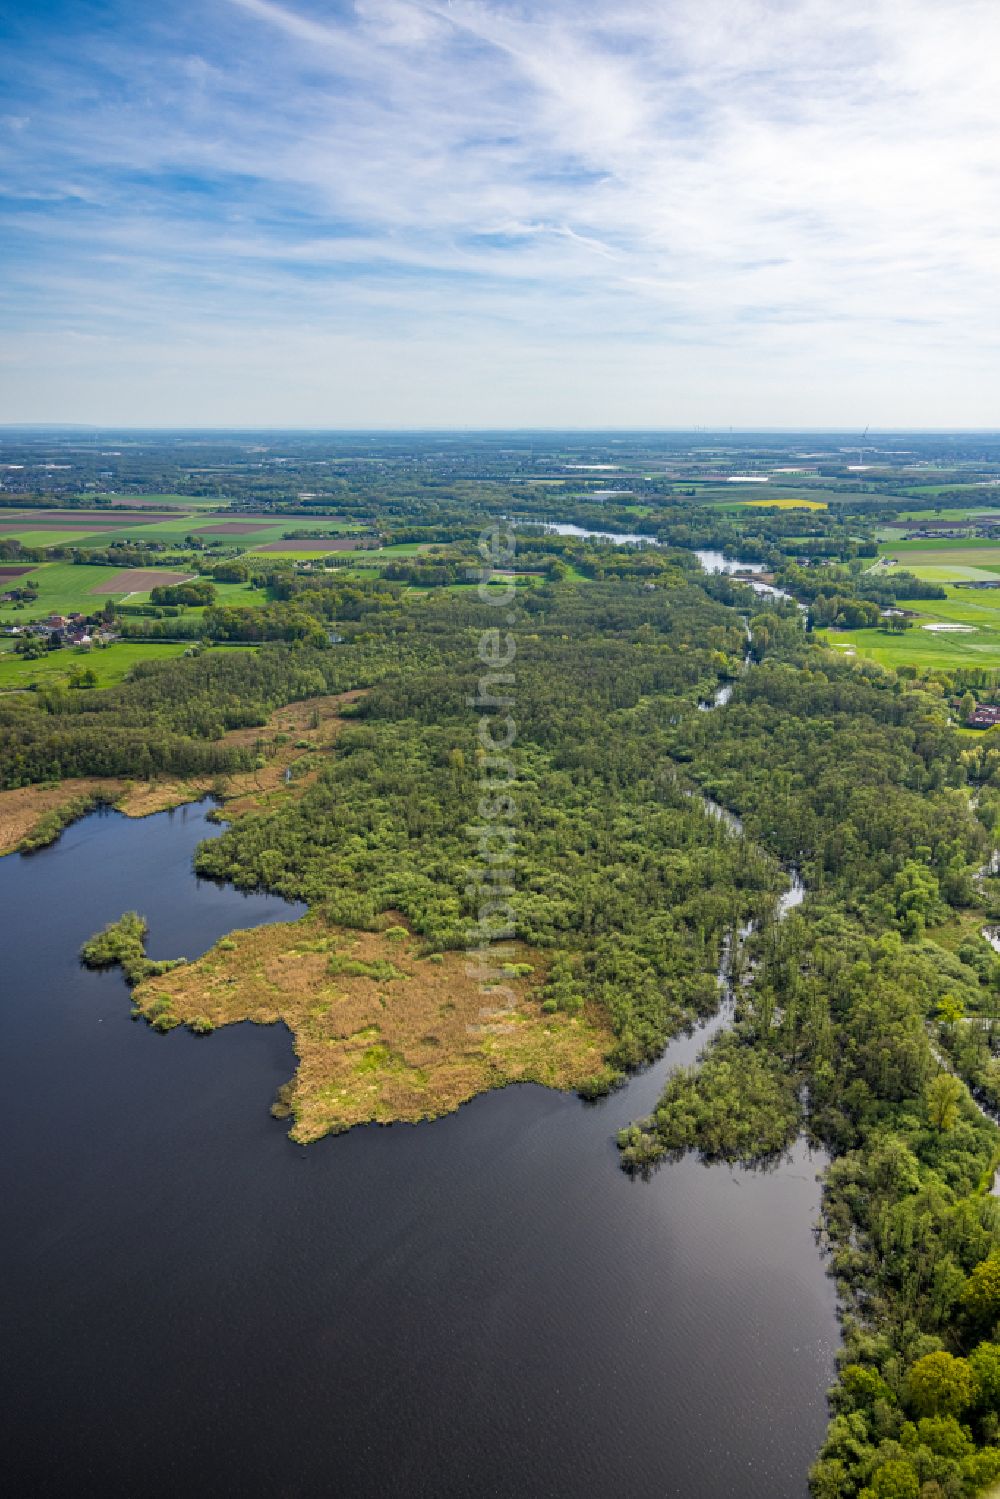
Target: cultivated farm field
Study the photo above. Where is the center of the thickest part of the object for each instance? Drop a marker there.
(139, 580)
(64, 588)
(978, 644)
(785, 504)
(49, 536)
(962, 513)
(939, 560)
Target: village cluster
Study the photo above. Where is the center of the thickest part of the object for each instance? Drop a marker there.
(65, 630)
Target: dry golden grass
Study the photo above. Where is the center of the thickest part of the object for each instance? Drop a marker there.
(307, 726)
(408, 1039)
(23, 808)
(316, 721)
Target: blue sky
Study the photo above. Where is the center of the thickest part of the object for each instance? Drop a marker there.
(389, 213)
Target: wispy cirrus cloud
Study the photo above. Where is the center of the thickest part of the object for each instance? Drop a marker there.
(711, 210)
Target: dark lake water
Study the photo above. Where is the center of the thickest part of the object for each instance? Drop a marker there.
(485, 1305)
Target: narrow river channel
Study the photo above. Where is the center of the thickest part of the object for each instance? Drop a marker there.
(485, 1305)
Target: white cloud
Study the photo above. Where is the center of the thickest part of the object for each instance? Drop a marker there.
(745, 210)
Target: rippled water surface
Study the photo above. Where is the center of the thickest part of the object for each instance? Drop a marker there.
(485, 1305)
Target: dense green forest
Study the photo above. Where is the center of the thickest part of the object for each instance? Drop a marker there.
(619, 870)
(846, 772)
(863, 1019)
(846, 1030)
(168, 717)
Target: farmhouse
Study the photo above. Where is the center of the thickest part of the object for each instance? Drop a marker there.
(986, 716)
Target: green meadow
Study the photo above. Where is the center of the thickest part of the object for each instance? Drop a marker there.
(403, 549)
(926, 649)
(962, 606)
(179, 527)
(30, 538)
(240, 595)
(233, 595)
(110, 663)
(63, 588)
(963, 513)
(307, 553)
(920, 491)
(949, 572)
(87, 539)
(920, 648)
(962, 549)
(67, 587)
(174, 531)
(969, 558)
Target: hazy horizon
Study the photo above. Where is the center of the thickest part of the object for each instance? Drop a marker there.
(405, 215)
(559, 429)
